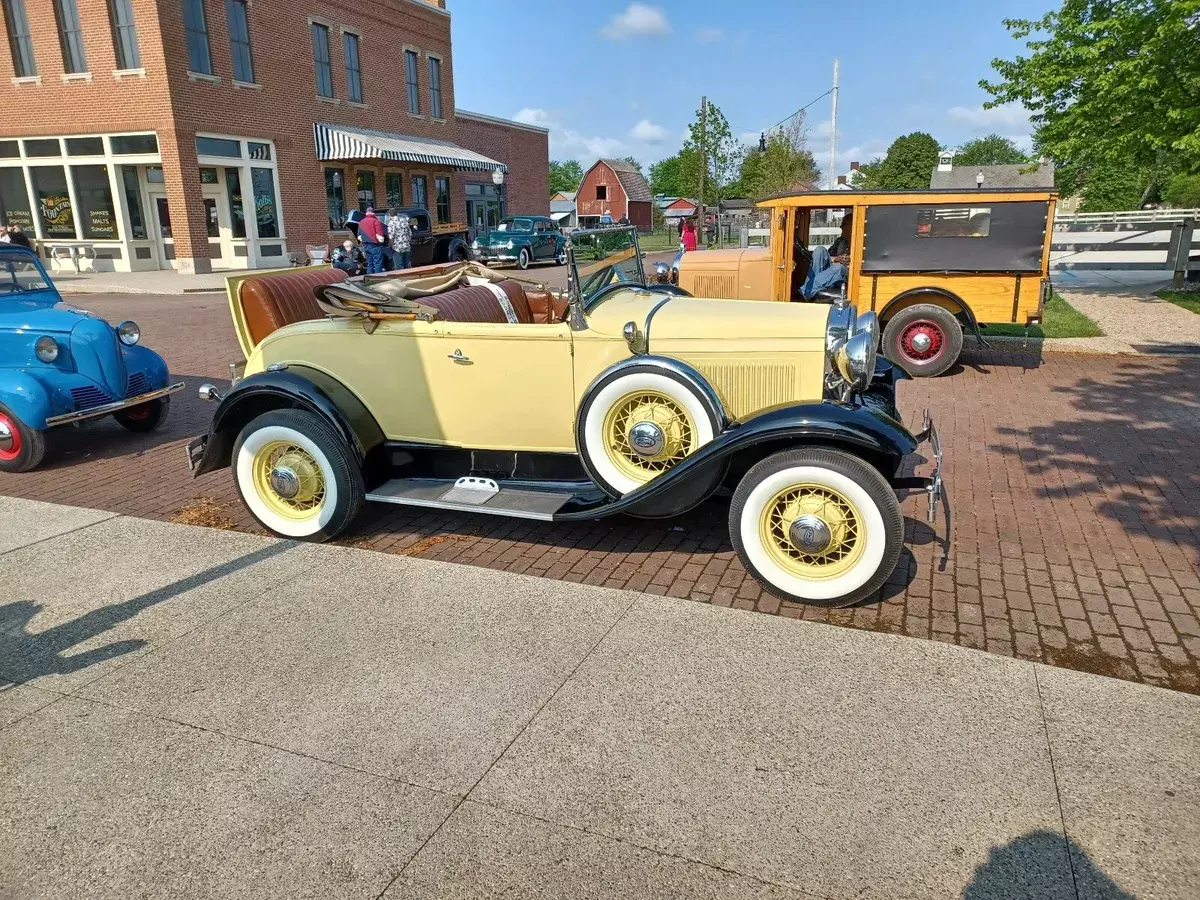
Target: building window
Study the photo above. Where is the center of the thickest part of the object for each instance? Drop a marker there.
(239, 41)
(194, 23)
(14, 200)
(133, 200)
(233, 186)
(43, 147)
(208, 146)
(365, 186)
(70, 36)
(129, 144)
(393, 183)
(435, 87)
(53, 200)
(335, 198)
(353, 68)
(258, 150)
(89, 146)
(9, 150)
(124, 32)
(24, 62)
(602, 192)
(419, 197)
(266, 212)
(320, 38)
(410, 74)
(441, 187)
(97, 215)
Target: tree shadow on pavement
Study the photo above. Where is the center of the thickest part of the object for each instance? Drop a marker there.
(26, 655)
(1132, 445)
(1045, 865)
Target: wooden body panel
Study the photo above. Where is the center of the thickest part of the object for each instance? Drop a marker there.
(989, 297)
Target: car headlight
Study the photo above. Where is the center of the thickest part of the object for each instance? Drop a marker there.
(839, 325)
(128, 333)
(475, 245)
(46, 349)
(510, 245)
(856, 360)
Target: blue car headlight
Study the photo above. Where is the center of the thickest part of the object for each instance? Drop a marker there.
(46, 349)
(129, 333)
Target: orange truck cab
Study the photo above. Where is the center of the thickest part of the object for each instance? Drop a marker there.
(929, 263)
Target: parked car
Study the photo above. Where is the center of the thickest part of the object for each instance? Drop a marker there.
(929, 263)
(522, 241)
(443, 242)
(615, 398)
(60, 365)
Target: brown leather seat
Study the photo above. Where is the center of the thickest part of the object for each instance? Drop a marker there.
(546, 307)
(269, 303)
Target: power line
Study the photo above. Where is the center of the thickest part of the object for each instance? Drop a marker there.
(800, 110)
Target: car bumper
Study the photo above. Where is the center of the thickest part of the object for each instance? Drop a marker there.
(931, 484)
(486, 256)
(195, 451)
(110, 408)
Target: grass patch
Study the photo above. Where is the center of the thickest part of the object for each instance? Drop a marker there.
(654, 241)
(1189, 300)
(1061, 320)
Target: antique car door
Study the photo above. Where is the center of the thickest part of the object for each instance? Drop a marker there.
(783, 229)
(422, 239)
(501, 386)
(543, 241)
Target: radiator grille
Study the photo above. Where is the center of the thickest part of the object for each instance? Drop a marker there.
(137, 384)
(745, 388)
(719, 287)
(89, 397)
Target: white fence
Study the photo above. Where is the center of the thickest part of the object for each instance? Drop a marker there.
(1133, 217)
(1164, 240)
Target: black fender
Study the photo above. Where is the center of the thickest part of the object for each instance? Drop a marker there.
(861, 429)
(945, 295)
(295, 387)
(444, 248)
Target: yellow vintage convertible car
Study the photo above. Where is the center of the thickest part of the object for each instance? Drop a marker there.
(460, 388)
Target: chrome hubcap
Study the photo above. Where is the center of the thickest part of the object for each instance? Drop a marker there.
(810, 534)
(921, 342)
(647, 439)
(6, 436)
(285, 482)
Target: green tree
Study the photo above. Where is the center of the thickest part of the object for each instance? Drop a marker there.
(989, 150)
(1109, 188)
(1109, 81)
(786, 164)
(633, 162)
(867, 177)
(1183, 191)
(909, 162)
(678, 175)
(718, 146)
(565, 175)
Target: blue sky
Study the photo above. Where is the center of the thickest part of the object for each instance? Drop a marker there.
(615, 78)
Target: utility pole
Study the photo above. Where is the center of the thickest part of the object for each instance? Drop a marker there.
(703, 159)
(833, 131)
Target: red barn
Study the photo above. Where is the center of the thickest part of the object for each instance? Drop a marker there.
(615, 186)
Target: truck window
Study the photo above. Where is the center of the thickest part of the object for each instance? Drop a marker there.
(954, 221)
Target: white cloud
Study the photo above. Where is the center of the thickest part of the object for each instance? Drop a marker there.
(647, 131)
(749, 137)
(638, 20)
(1010, 117)
(530, 116)
(567, 143)
(708, 35)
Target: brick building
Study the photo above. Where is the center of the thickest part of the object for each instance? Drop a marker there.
(202, 134)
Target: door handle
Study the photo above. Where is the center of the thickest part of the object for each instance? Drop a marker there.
(457, 356)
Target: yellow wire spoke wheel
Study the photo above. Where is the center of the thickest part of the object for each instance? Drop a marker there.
(289, 480)
(812, 531)
(648, 432)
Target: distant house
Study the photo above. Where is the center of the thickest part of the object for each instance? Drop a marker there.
(676, 210)
(1022, 175)
(613, 185)
(737, 206)
(845, 181)
(562, 209)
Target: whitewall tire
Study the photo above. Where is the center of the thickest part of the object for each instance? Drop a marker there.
(296, 475)
(817, 526)
(666, 404)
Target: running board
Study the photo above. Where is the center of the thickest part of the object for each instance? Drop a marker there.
(479, 495)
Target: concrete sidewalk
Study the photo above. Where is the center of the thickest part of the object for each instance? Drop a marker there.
(198, 713)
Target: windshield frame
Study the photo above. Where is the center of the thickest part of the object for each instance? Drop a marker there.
(583, 291)
(9, 260)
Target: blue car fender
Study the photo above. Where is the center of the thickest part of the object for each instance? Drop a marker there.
(149, 363)
(27, 398)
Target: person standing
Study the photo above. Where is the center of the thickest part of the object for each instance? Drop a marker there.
(373, 237)
(17, 236)
(689, 235)
(400, 238)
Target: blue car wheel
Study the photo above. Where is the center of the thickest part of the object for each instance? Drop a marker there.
(21, 448)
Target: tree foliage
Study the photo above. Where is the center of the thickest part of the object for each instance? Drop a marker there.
(565, 175)
(909, 162)
(989, 150)
(1109, 82)
(867, 177)
(633, 162)
(678, 175)
(786, 164)
(1183, 191)
(722, 150)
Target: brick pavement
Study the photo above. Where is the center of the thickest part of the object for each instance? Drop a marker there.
(1074, 498)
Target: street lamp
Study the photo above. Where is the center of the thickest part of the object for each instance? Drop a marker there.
(498, 176)
(979, 179)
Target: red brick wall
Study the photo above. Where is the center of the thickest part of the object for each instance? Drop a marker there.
(283, 107)
(586, 202)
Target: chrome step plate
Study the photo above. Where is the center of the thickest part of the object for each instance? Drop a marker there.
(521, 503)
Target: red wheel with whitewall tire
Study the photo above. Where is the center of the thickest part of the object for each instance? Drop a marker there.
(925, 340)
(21, 448)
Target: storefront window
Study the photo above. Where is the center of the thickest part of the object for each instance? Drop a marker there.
(420, 197)
(233, 184)
(258, 150)
(266, 211)
(154, 175)
(442, 187)
(133, 199)
(365, 185)
(394, 182)
(97, 215)
(128, 144)
(44, 147)
(14, 200)
(335, 199)
(9, 150)
(92, 146)
(211, 222)
(54, 202)
(207, 146)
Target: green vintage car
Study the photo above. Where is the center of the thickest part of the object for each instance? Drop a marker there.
(522, 240)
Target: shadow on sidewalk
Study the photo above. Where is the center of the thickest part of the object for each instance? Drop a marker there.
(1019, 869)
(25, 654)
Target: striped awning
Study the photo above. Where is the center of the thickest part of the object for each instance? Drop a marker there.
(341, 142)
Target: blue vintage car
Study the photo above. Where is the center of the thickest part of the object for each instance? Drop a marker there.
(60, 365)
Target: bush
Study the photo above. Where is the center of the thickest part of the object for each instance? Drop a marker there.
(1183, 191)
